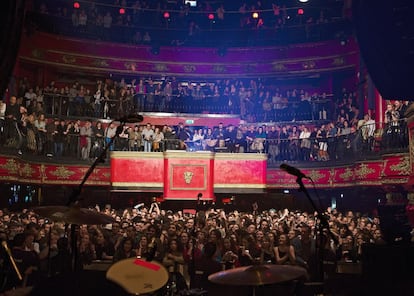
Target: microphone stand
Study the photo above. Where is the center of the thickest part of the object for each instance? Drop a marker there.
(323, 224)
(194, 240)
(74, 197)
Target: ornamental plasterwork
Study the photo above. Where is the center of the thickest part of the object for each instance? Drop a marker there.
(395, 181)
(62, 172)
(338, 61)
(402, 167)
(308, 65)
(363, 171)
(83, 170)
(38, 53)
(68, 59)
(130, 66)
(106, 175)
(26, 170)
(160, 67)
(189, 68)
(188, 176)
(10, 166)
(279, 66)
(219, 69)
(315, 175)
(347, 175)
(100, 63)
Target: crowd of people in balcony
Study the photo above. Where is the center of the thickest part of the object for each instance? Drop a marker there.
(143, 20)
(179, 240)
(255, 100)
(286, 136)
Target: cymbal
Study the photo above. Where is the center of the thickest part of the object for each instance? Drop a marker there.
(73, 215)
(19, 291)
(257, 275)
(137, 276)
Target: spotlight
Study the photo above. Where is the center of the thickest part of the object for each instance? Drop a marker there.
(303, 1)
(122, 10)
(211, 16)
(301, 11)
(76, 5)
(166, 15)
(255, 15)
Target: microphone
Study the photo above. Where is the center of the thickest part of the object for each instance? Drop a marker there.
(292, 170)
(130, 118)
(12, 261)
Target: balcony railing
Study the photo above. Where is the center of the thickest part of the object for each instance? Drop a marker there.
(166, 33)
(367, 142)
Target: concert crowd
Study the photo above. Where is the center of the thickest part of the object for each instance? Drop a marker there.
(179, 240)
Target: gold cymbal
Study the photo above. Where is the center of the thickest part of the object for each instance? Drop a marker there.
(73, 215)
(257, 275)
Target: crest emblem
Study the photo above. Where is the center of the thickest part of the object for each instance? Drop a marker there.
(188, 176)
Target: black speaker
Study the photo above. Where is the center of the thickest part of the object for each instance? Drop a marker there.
(394, 224)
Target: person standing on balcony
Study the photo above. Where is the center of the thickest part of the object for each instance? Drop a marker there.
(392, 126)
(98, 98)
(148, 136)
(86, 134)
(58, 138)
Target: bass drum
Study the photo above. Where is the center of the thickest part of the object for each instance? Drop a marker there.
(137, 276)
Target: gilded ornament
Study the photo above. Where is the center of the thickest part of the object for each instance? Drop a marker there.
(130, 66)
(347, 175)
(188, 176)
(68, 59)
(402, 167)
(100, 63)
(160, 67)
(219, 69)
(338, 61)
(38, 53)
(308, 65)
(26, 170)
(189, 68)
(10, 166)
(315, 175)
(62, 172)
(363, 171)
(279, 66)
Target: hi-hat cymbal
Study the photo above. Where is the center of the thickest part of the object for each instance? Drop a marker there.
(138, 276)
(73, 215)
(257, 275)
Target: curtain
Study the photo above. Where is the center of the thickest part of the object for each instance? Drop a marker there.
(12, 15)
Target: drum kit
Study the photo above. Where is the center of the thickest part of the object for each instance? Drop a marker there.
(140, 277)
